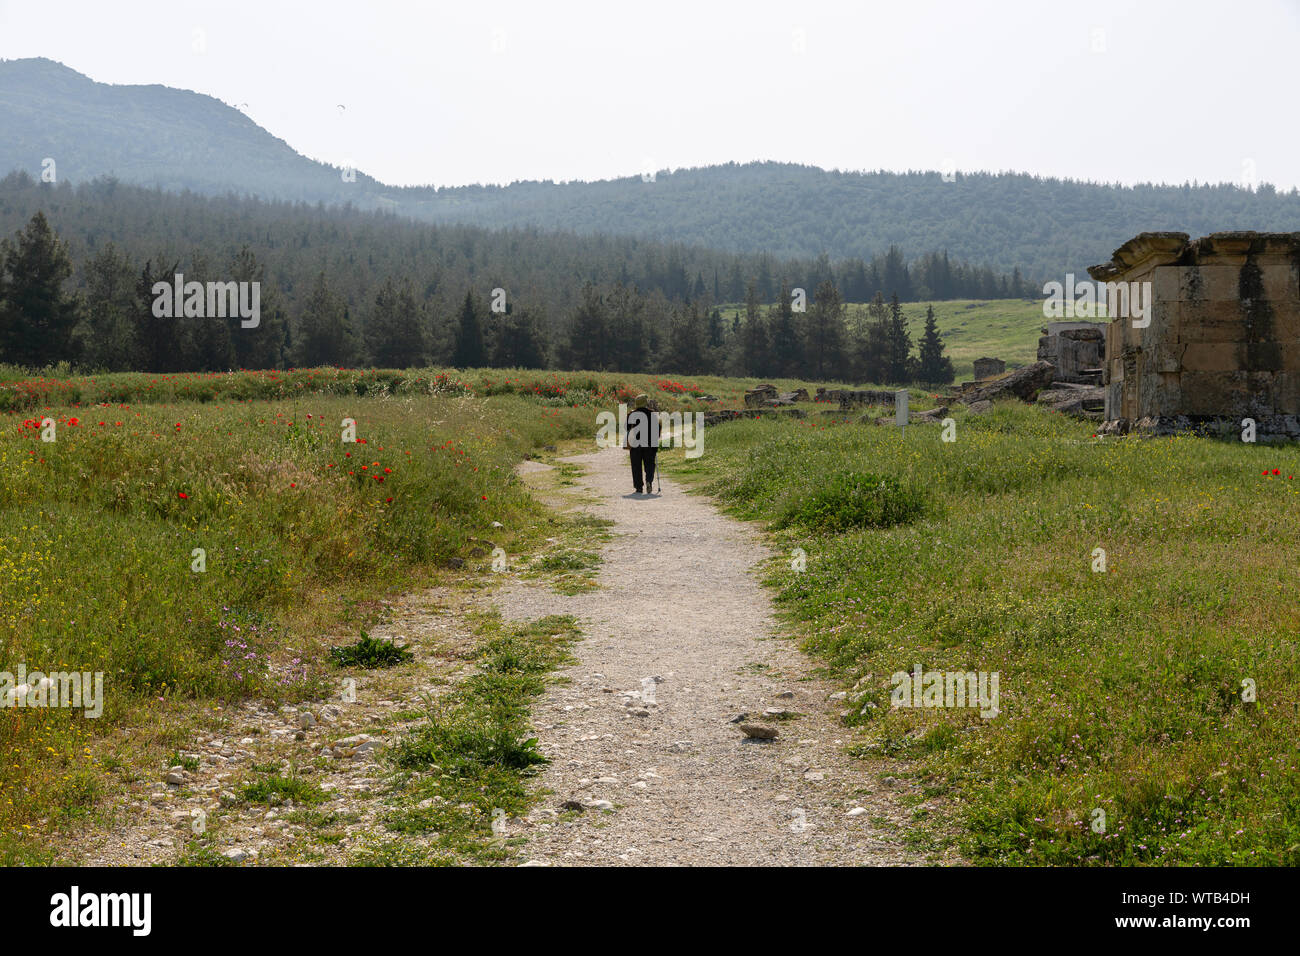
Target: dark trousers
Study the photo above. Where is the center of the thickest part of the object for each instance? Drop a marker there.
(643, 459)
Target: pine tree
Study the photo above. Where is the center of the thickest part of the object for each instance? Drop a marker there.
(261, 346)
(684, 353)
(735, 283)
(521, 343)
(589, 345)
(935, 368)
(109, 332)
(470, 351)
(764, 280)
(37, 318)
(717, 331)
(824, 336)
(325, 335)
(753, 356)
(787, 355)
(158, 338)
(207, 342)
(896, 277)
(625, 309)
(874, 347)
(900, 345)
(395, 331)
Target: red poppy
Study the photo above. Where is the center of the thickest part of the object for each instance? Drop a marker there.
(182, 494)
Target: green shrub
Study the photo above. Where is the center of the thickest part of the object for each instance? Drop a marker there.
(845, 500)
(370, 652)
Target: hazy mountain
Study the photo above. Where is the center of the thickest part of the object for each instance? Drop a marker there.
(153, 136)
(175, 139)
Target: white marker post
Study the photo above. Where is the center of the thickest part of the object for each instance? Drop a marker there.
(900, 410)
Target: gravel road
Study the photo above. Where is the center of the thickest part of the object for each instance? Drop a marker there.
(679, 639)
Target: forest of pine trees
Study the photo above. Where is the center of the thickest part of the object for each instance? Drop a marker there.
(109, 323)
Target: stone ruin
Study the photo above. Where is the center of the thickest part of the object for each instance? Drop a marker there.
(1075, 349)
(850, 398)
(766, 396)
(1220, 341)
(989, 368)
(762, 400)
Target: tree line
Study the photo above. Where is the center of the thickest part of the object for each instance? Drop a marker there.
(112, 323)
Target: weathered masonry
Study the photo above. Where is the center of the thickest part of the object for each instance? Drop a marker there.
(1220, 342)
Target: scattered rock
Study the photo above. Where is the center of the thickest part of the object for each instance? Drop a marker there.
(1024, 383)
(758, 731)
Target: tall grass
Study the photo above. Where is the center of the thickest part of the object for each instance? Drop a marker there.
(1120, 691)
(100, 572)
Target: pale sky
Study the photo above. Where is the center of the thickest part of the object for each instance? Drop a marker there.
(495, 91)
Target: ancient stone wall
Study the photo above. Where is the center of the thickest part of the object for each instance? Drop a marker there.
(1221, 341)
(1076, 349)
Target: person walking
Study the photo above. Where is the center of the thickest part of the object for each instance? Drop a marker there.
(643, 443)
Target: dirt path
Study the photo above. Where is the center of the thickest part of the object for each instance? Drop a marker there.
(679, 640)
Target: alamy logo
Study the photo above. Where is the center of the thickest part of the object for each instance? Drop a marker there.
(684, 429)
(946, 689)
(213, 300)
(103, 909)
(1098, 300)
(84, 690)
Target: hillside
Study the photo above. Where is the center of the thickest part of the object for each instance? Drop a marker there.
(175, 139)
(153, 136)
(971, 328)
(1044, 227)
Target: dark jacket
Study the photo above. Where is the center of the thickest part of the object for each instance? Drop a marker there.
(642, 434)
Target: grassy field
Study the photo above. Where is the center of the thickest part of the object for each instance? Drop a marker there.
(1129, 729)
(192, 537)
(1121, 691)
(996, 328)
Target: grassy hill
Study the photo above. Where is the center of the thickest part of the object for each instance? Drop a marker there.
(971, 328)
(998, 328)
